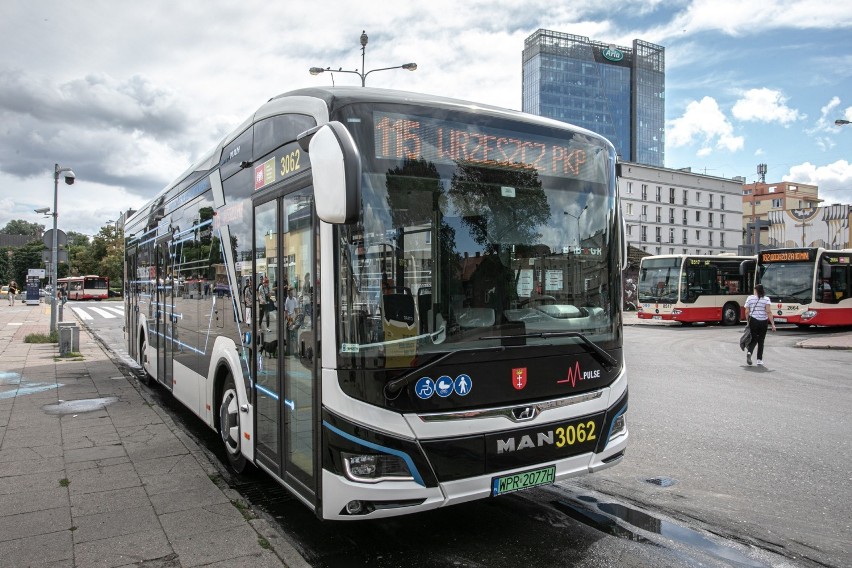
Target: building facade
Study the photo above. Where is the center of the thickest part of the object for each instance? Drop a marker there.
(615, 91)
(810, 226)
(761, 199)
(679, 212)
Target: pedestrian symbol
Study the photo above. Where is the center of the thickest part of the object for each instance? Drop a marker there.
(462, 385)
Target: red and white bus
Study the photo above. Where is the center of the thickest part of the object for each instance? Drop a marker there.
(91, 287)
(695, 288)
(808, 286)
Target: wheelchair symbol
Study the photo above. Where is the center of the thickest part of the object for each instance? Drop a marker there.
(424, 388)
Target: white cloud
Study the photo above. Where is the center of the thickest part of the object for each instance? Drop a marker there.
(764, 105)
(737, 18)
(703, 122)
(834, 180)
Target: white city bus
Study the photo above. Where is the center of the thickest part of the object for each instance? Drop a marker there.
(695, 288)
(435, 331)
(808, 286)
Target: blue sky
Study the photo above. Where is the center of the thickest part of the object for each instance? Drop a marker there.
(130, 94)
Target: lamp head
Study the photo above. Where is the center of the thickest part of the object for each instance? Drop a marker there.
(840, 122)
(316, 70)
(410, 67)
(364, 38)
(43, 210)
(70, 177)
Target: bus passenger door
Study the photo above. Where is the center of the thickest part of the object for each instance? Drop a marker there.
(164, 319)
(131, 301)
(286, 367)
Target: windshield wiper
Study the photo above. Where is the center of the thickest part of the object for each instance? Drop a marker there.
(599, 353)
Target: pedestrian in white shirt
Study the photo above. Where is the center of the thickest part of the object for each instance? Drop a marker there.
(759, 319)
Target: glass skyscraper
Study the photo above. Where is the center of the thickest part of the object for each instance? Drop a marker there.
(615, 91)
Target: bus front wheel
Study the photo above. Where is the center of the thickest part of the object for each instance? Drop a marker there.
(146, 378)
(229, 425)
(730, 314)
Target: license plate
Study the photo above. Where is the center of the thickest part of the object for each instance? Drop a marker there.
(523, 480)
(781, 320)
(657, 317)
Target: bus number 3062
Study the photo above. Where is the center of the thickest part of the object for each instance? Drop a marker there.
(290, 162)
(575, 434)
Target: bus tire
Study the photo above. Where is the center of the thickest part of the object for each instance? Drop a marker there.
(229, 425)
(730, 314)
(146, 378)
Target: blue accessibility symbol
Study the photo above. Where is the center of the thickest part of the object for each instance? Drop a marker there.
(444, 386)
(462, 385)
(424, 388)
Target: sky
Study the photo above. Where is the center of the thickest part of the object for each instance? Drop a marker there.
(130, 94)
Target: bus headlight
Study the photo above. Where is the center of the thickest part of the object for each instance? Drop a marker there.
(372, 468)
(810, 314)
(619, 427)
(676, 312)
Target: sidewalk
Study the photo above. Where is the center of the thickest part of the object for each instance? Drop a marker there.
(836, 340)
(108, 480)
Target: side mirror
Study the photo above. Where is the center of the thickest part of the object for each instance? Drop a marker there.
(336, 168)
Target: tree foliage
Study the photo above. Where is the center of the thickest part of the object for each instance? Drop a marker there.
(21, 227)
(102, 254)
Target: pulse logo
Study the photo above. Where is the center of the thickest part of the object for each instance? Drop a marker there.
(576, 374)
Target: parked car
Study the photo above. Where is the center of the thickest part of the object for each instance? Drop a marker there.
(4, 290)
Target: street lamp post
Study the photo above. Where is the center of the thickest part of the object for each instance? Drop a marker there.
(54, 254)
(577, 217)
(577, 275)
(363, 74)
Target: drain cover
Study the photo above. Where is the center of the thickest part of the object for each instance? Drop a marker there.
(660, 481)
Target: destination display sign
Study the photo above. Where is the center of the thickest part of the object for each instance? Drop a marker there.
(400, 136)
(803, 255)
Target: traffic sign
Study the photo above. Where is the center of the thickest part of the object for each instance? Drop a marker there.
(61, 238)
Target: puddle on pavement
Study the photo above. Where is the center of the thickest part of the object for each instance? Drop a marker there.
(79, 406)
(606, 516)
(9, 378)
(20, 386)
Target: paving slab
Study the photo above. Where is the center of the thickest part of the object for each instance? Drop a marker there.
(111, 486)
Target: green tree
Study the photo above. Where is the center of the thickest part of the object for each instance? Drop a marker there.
(107, 252)
(23, 258)
(80, 254)
(21, 227)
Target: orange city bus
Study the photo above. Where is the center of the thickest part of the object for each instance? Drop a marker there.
(91, 287)
(695, 288)
(808, 286)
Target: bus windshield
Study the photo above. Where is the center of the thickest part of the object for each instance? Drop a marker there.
(788, 281)
(658, 280)
(474, 230)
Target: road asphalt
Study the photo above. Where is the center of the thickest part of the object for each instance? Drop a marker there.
(835, 340)
(94, 473)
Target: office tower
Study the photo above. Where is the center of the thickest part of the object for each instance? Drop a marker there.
(616, 91)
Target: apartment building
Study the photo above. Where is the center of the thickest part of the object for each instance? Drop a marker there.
(676, 211)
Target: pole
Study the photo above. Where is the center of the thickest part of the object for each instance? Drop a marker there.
(54, 256)
(363, 53)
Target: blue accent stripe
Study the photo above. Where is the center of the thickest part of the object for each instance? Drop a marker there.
(400, 454)
(267, 392)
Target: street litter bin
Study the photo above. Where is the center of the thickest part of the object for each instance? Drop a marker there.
(69, 337)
